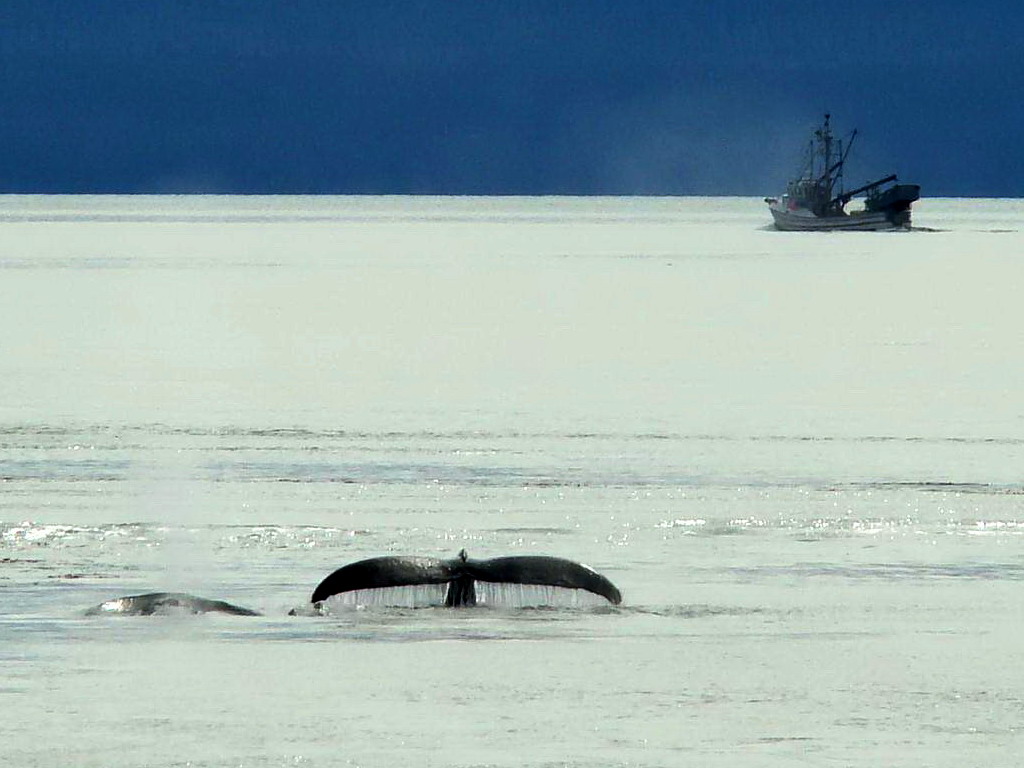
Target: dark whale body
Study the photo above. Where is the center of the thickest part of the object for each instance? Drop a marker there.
(461, 574)
(166, 603)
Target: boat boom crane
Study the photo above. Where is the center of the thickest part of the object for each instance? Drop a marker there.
(846, 196)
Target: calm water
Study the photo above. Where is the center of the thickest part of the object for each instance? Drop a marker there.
(797, 455)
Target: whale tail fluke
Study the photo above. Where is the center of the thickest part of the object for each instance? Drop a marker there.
(461, 574)
(383, 572)
(544, 571)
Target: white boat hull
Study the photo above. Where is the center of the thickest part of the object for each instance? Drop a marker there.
(802, 220)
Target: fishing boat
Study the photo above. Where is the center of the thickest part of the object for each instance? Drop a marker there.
(816, 199)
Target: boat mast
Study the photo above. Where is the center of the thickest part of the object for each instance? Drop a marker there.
(831, 159)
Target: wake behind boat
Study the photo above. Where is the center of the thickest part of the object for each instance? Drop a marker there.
(817, 201)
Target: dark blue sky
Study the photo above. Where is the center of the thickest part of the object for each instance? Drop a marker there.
(492, 97)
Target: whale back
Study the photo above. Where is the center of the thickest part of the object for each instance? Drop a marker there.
(166, 603)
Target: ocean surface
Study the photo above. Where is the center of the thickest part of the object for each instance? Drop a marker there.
(800, 456)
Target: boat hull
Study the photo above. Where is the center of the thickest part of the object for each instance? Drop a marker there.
(802, 220)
